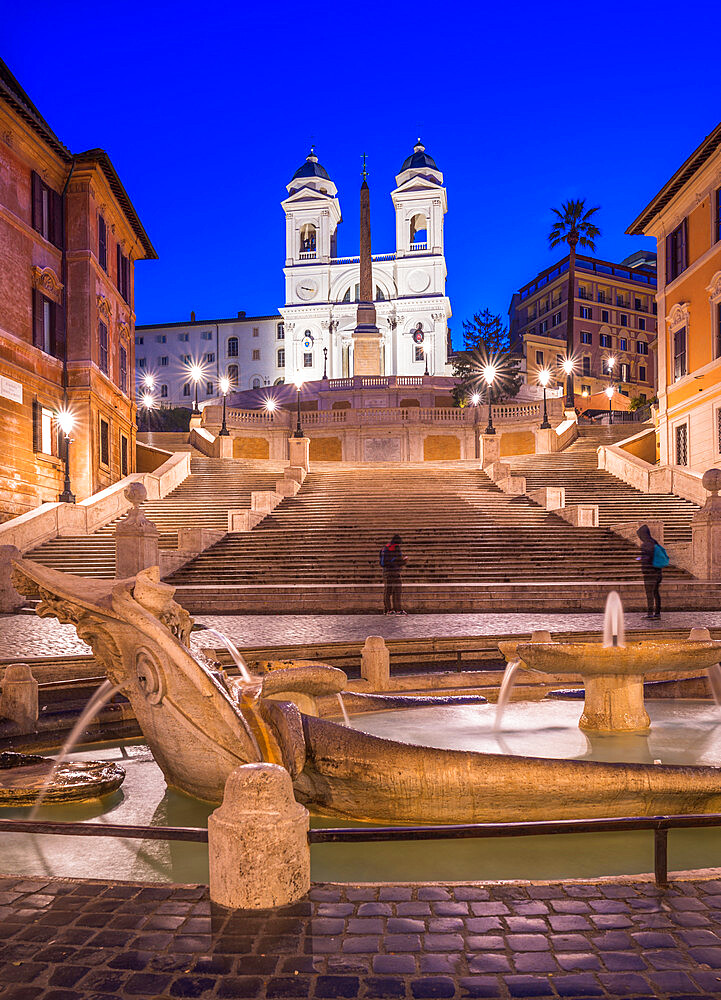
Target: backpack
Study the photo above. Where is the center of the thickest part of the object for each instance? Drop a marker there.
(660, 557)
(385, 557)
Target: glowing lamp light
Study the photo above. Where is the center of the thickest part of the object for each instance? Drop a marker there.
(609, 390)
(584, 393)
(476, 398)
(196, 372)
(298, 380)
(66, 422)
(224, 384)
(149, 380)
(567, 365)
(147, 400)
(489, 373)
(270, 405)
(610, 363)
(544, 377)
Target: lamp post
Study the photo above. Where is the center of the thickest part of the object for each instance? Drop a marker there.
(544, 377)
(196, 373)
(475, 400)
(567, 365)
(425, 358)
(298, 385)
(609, 392)
(489, 373)
(271, 406)
(224, 386)
(66, 422)
(325, 364)
(147, 402)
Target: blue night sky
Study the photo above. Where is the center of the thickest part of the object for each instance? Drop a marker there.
(207, 110)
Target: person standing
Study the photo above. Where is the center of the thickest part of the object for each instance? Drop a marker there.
(392, 562)
(653, 558)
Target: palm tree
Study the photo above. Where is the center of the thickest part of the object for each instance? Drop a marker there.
(574, 227)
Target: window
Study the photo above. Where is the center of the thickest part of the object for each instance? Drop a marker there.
(605, 340)
(163, 392)
(232, 347)
(104, 442)
(123, 273)
(623, 302)
(586, 366)
(185, 337)
(163, 362)
(186, 389)
(141, 362)
(47, 211)
(585, 389)
(679, 355)
(280, 361)
(641, 347)
(582, 292)
(161, 339)
(604, 316)
(637, 305)
(210, 358)
(601, 296)
(256, 355)
(556, 319)
(46, 433)
(48, 325)
(103, 347)
(539, 358)
(586, 312)
(280, 332)
(256, 331)
(642, 373)
(102, 243)
(625, 372)
(380, 295)
(623, 344)
(123, 455)
(543, 326)
(233, 374)
(185, 359)
(308, 360)
(623, 319)
(256, 383)
(682, 444)
(139, 340)
(586, 337)
(123, 370)
(207, 335)
(641, 323)
(676, 252)
(418, 353)
(209, 388)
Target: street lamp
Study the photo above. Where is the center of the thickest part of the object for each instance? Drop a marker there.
(567, 365)
(475, 400)
(224, 386)
(271, 405)
(66, 422)
(610, 365)
(325, 364)
(544, 377)
(298, 385)
(196, 374)
(425, 357)
(149, 381)
(609, 392)
(489, 373)
(147, 402)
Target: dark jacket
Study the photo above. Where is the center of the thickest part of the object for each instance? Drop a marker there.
(648, 544)
(394, 560)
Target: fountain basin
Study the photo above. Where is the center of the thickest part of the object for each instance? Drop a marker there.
(22, 778)
(613, 676)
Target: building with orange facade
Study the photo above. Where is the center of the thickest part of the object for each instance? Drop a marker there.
(69, 239)
(685, 219)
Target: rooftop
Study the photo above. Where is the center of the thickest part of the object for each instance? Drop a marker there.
(606, 269)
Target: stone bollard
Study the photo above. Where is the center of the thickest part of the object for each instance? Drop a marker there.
(706, 531)
(10, 599)
(258, 841)
(375, 663)
(490, 448)
(136, 537)
(19, 698)
(298, 451)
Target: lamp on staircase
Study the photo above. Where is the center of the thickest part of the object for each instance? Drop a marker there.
(298, 385)
(609, 392)
(196, 373)
(224, 386)
(544, 377)
(568, 366)
(489, 373)
(66, 422)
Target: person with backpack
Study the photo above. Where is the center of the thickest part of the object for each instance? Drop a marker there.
(653, 558)
(392, 562)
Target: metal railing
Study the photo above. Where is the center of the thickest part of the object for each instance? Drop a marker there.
(660, 825)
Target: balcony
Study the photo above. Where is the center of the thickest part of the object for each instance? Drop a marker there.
(306, 255)
(416, 247)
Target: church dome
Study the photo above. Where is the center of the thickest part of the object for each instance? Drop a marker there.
(311, 167)
(419, 159)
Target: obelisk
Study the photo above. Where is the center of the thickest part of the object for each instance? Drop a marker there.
(366, 336)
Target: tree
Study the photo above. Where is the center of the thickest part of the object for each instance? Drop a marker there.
(486, 341)
(574, 227)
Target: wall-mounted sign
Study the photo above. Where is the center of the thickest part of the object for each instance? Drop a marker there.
(418, 336)
(307, 343)
(11, 389)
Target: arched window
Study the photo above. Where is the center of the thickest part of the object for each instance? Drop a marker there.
(307, 238)
(256, 383)
(380, 296)
(233, 375)
(346, 297)
(279, 381)
(164, 392)
(232, 347)
(419, 229)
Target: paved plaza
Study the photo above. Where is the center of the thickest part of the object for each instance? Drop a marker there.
(66, 940)
(27, 635)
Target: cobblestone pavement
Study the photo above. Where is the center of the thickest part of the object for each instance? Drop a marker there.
(65, 940)
(27, 635)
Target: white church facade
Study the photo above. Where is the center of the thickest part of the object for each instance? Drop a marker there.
(312, 333)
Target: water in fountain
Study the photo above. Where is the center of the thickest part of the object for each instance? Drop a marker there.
(714, 679)
(505, 693)
(98, 701)
(346, 720)
(614, 627)
(232, 649)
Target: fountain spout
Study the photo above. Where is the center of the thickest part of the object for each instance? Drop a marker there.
(614, 627)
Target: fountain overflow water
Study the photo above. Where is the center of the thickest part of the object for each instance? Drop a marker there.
(505, 693)
(614, 626)
(232, 649)
(346, 720)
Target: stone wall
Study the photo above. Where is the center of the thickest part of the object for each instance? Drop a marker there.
(441, 447)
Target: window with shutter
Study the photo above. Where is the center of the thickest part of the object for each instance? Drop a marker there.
(102, 243)
(123, 370)
(123, 455)
(104, 442)
(47, 211)
(37, 426)
(103, 347)
(676, 251)
(679, 355)
(57, 336)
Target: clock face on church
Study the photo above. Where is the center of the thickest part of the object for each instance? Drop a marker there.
(306, 289)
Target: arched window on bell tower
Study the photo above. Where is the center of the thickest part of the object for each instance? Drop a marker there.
(418, 235)
(308, 234)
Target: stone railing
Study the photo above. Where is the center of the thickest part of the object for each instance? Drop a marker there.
(651, 478)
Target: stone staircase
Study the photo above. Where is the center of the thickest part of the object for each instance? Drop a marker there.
(577, 470)
(213, 487)
(171, 441)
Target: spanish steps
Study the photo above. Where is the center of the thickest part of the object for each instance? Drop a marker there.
(469, 545)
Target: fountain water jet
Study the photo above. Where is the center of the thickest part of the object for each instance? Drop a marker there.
(505, 692)
(614, 625)
(346, 720)
(238, 657)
